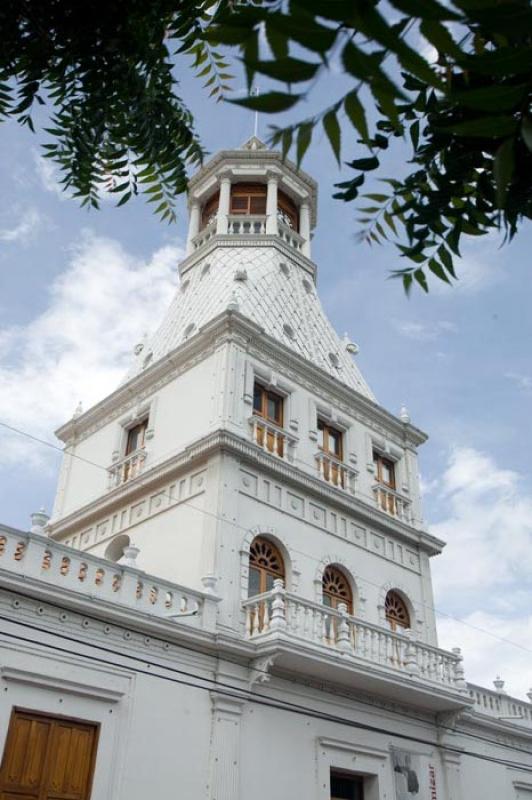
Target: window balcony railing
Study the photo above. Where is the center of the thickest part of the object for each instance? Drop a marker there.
(127, 468)
(271, 438)
(305, 621)
(244, 224)
(335, 472)
(392, 503)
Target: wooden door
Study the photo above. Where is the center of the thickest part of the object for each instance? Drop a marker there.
(47, 758)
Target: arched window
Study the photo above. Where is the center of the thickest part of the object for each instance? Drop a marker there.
(396, 611)
(248, 198)
(210, 210)
(287, 211)
(336, 589)
(265, 565)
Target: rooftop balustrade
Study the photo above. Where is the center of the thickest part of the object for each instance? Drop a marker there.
(501, 706)
(34, 556)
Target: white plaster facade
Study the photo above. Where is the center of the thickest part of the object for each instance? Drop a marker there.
(194, 695)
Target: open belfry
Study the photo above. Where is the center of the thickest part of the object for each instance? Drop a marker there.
(232, 599)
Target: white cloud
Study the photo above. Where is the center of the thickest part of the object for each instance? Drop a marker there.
(422, 332)
(523, 382)
(486, 654)
(484, 572)
(49, 177)
(25, 228)
(82, 344)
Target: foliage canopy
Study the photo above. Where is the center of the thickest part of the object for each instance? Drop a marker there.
(108, 73)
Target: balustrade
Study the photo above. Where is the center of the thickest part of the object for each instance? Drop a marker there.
(500, 705)
(392, 503)
(245, 224)
(127, 468)
(290, 236)
(271, 438)
(335, 628)
(335, 472)
(205, 235)
(37, 557)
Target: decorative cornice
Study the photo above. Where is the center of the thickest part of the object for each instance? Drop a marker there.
(264, 157)
(230, 326)
(257, 240)
(251, 454)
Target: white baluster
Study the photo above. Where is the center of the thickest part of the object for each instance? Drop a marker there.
(410, 657)
(342, 639)
(278, 606)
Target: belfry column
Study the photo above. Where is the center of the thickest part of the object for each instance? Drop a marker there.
(304, 227)
(222, 223)
(271, 204)
(193, 224)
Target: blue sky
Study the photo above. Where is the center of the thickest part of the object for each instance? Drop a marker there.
(78, 290)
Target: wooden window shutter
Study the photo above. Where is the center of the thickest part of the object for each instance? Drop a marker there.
(47, 758)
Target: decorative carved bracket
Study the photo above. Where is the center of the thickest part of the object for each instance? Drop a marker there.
(259, 670)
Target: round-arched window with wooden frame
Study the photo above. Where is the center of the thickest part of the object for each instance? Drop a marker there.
(287, 211)
(210, 210)
(265, 565)
(336, 589)
(396, 611)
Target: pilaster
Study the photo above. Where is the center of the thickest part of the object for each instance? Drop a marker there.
(224, 770)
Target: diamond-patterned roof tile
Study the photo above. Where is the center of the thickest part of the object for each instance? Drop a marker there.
(270, 295)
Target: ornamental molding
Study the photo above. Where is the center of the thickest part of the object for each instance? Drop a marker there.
(231, 326)
(257, 240)
(256, 157)
(64, 685)
(223, 440)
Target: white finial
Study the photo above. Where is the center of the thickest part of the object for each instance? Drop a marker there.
(139, 347)
(130, 554)
(78, 411)
(209, 583)
(499, 684)
(350, 346)
(233, 304)
(404, 416)
(529, 694)
(39, 520)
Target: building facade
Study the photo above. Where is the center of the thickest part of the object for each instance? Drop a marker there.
(233, 598)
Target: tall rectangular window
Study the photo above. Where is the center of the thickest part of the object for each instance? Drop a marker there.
(330, 439)
(384, 470)
(346, 787)
(269, 406)
(48, 757)
(136, 437)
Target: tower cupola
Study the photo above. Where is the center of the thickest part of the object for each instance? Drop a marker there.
(251, 191)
